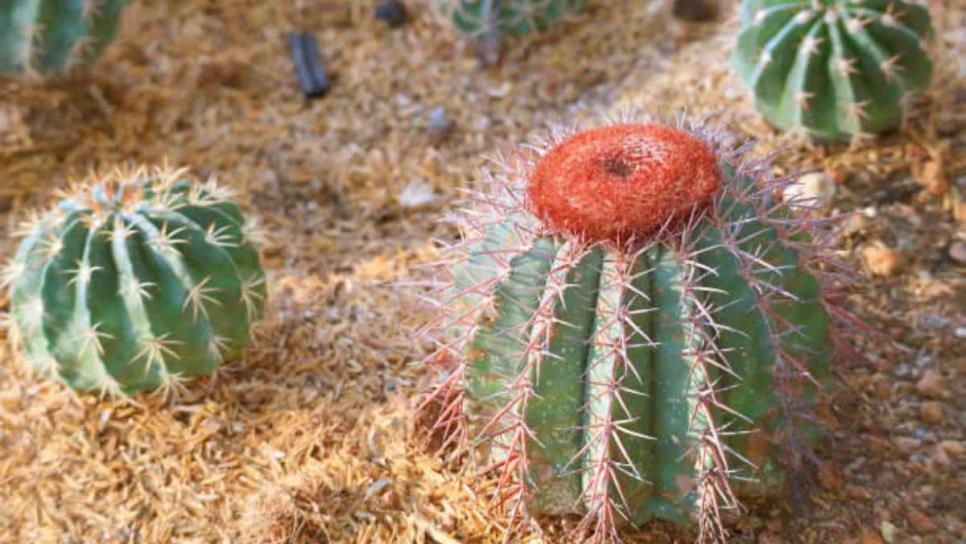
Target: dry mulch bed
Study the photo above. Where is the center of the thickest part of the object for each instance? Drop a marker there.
(308, 437)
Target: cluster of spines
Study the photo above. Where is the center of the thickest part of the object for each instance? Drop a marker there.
(608, 468)
(158, 192)
(30, 35)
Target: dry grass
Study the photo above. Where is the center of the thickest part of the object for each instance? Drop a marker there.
(307, 438)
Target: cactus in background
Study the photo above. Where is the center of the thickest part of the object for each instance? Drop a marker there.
(632, 325)
(477, 18)
(55, 35)
(833, 68)
(134, 281)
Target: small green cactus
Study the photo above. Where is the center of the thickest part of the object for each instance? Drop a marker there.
(134, 281)
(50, 36)
(635, 328)
(476, 18)
(833, 68)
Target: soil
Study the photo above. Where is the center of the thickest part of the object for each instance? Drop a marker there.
(309, 436)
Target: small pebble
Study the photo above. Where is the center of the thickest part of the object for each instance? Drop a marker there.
(888, 531)
(920, 522)
(881, 260)
(829, 477)
(952, 447)
(906, 444)
(870, 537)
(392, 12)
(814, 190)
(931, 412)
(931, 384)
(438, 125)
(857, 492)
(940, 457)
(932, 177)
(416, 193)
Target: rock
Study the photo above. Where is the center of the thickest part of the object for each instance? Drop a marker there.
(932, 177)
(438, 125)
(920, 522)
(931, 412)
(814, 190)
(931, 384)
(870, 537)
(838, 175)
(888, 531)
(415, 194)
(881, 260)
(905, 444)
(957, 252)
(857, 492)
(855, 224)
(952, 447)
(940, 457)
(829, 477)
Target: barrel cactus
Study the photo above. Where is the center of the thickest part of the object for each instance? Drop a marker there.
(54, 35)
(134, 281)
(633, 327)
(833, 68)
(477, 18)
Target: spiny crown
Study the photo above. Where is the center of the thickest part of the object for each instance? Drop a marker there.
(126, 190)
(621, 181)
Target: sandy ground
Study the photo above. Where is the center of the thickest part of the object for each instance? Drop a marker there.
(308, 437)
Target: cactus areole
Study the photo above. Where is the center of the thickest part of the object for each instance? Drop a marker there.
(135, 280)
(634, 328)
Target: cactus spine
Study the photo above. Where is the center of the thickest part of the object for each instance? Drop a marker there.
(833, 68)
(632, 326)
(477, 18)
(55, 35)
(135, 280)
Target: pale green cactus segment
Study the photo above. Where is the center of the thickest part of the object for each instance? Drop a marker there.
(50, 36)
(513, 17)
(833, 68)
(136, 281)
(607, 359)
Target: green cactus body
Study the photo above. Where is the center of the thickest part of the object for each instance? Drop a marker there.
(643, 378)
(833, 68)
(514, 17)
(55, 35)
(134, 282)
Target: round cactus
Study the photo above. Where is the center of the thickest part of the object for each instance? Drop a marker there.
(55, 35)
(633, 325)
(833, 68)
(134, 281)
(477, 18)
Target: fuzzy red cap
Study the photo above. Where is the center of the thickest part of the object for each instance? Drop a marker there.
(614, 182)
